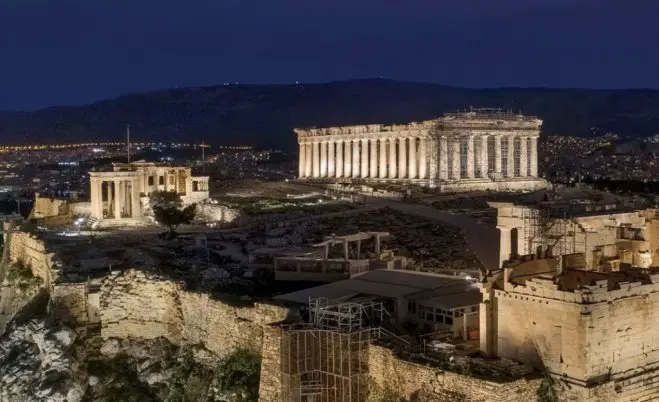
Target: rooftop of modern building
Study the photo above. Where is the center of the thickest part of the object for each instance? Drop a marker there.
(412, 285)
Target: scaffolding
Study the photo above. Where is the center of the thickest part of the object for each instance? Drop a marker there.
(551, 233)
(326, 360)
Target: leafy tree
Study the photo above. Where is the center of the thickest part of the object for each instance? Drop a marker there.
(239, 374)
(168, 211)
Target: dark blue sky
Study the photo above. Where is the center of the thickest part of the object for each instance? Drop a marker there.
(59, 52)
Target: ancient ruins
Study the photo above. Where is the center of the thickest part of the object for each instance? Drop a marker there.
(476, 150)
(120, 196)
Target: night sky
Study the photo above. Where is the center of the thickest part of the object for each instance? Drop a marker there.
(61, 52)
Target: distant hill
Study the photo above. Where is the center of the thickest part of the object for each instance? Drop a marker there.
(263, 115)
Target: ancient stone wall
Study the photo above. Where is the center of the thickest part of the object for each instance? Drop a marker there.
(48, 207)
(32, 251)
(68, 303)
(139, 304)
(222, 327)
(406, 379)
(270, 385)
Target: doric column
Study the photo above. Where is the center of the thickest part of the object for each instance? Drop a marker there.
(534, 157)
(347, 159)
(116, 199)
(355, 158)
(135, 208)
(383, 158)
(423, 158)
(339, 158)
(523, 157)
(511, 156)
(308, 159)
(393, 172)
(443, 158)
(433, 158)
(455, 154)
(315, 159)
(484, 157)
(497, 154)
(331, 163)
(373, 160)
(402, 158)
(411, 160)
(470, 157)
(94, 195)
(323, 159)
(364, 166)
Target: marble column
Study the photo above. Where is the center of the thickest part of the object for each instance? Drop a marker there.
(127, 198)
(308, 159)
(523, 157)
(302, 160)
(382, 173)
(331, 163)
(339, 158)
(423, 158)
(484, 157)
(470, 157)
(533, 163)
(315, 162)
(356, 151)
(116, 196)
(393, 173)
(432, 158)
(373, 165)
(411, 162)
(402, 158)
(455, 155)
(443, 158)
(347, 159)
(323, 159)
(95, 196)
(364, 160)
(511, 156)
(135, 208)
(497, 154)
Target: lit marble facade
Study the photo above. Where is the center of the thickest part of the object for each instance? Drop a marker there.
(481, 149)
(116, 196)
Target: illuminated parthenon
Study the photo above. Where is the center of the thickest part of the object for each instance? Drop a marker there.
(479, 149)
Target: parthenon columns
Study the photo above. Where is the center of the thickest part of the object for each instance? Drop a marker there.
(339, 159)
(447, 158)
(523, 157)
(383, 159)
(373, 160)
(364, 160)
(392, 159)
(402, 158)
(484, 157)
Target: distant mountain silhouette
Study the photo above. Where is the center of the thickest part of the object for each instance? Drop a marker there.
(264, 115)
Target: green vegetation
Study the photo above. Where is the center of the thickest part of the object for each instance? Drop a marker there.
(545, 392)
(168, 211)
(239, 374)
(21, 274)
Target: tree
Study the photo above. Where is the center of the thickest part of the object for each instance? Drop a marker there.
(168, 211)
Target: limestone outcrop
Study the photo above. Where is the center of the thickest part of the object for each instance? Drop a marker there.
(36, 364)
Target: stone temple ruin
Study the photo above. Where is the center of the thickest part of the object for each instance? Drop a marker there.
(577, 296)
(120, 197)
(482, 149)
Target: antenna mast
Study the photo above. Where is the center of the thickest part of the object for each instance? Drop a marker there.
(128, 142)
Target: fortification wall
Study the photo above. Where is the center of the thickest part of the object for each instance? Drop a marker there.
(137, 304)
(223, 327)
(408, 379)
(48, 207)
(68, 303)
(32, 251)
